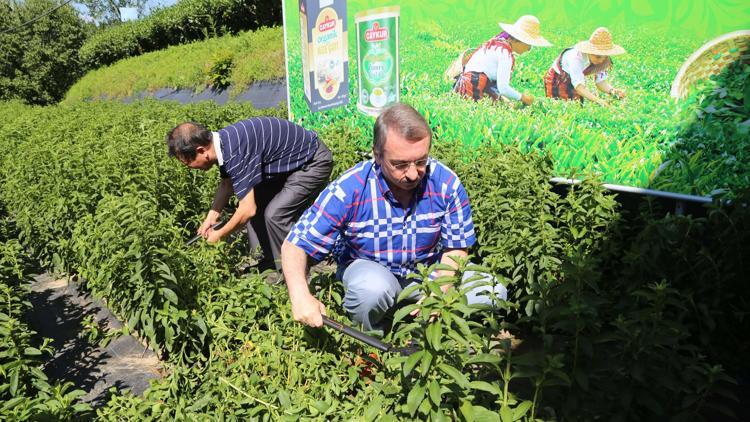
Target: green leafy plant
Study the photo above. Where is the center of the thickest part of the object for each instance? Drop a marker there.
(218, 71)
(607, 314)
(190, 20)
(25, 392)
(98, 333)
(257, 55)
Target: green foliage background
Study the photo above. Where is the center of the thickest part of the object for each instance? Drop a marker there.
(620, 316)
(39, 61)
(254, 55)
(629, 143)
(186, 21)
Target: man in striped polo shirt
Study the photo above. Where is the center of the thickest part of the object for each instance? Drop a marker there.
(387, 215)
(274, 166)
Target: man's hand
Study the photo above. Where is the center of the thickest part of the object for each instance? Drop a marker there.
(527, 99)
(308, 310)
(207, 225)
(618, 93)
(212, 236)
(305, 307)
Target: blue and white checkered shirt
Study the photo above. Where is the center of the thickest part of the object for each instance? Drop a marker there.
(359, 210)
(261, 148)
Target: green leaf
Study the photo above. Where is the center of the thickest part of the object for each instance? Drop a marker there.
(484, 358)
(403, 312)
(506, 415)
(434, 389)
(13, 382)
(411, 361)
(520, 410)
(424, 365)
(32, 351)
(414, 399)
(169, 294)
(485, 386)
(373, 410)
(434, 334)
(457, 376)
(467, 410)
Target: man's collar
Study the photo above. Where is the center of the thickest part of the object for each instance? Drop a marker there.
(217, 148)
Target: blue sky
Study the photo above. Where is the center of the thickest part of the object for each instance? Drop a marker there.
(149, 5)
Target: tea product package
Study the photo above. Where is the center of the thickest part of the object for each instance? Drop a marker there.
(325, 61)
(377, 59)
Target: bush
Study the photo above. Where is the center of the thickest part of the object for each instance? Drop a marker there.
(39, 61)
(255, 56)
(188, 20)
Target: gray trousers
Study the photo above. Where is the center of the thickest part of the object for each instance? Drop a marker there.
(371, 290)
(280, 202)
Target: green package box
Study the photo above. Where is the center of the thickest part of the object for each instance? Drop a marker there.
(377, 59)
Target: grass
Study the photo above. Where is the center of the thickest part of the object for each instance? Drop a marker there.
(256, 56)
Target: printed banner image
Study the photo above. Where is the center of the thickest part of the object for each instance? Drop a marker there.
(591, 84)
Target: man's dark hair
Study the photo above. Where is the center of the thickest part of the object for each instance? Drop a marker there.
(405, 120)
(185, 138)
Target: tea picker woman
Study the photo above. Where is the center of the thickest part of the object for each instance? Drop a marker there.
(488, 70)
(566, 79)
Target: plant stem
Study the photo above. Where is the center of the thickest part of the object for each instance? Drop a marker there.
(225, 381)
(506, 375)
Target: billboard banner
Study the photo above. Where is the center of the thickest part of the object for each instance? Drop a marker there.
(587, 82)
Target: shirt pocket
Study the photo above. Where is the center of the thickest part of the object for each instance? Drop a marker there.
(428, 235)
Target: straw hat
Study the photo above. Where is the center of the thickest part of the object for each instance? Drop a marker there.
(600, 43)
(526, 29)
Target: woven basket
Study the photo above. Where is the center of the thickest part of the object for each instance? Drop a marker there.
(457, 66)
(711, 59)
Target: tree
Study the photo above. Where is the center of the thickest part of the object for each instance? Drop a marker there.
(39, 55)
(108, 11)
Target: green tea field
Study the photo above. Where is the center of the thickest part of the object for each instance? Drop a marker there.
(639, 141)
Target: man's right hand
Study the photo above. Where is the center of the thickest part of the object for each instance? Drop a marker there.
(210, 220)
(308, 310)
(527, 99)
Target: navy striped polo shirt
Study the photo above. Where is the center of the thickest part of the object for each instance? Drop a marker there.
(261, 148)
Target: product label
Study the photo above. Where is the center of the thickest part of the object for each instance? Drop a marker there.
(377, 58)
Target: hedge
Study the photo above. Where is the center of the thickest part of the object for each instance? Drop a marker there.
(186, 21)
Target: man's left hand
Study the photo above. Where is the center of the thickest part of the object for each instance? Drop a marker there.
(213, 236)
(618, 93)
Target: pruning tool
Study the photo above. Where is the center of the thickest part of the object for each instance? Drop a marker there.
(367, 339)
(195, 238)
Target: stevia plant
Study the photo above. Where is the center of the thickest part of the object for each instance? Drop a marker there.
(457, 373)
(585, 285)
(25, 391)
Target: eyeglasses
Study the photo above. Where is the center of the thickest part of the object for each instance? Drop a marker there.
(405, 165)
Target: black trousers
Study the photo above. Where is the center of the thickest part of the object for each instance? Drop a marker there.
(280, 202)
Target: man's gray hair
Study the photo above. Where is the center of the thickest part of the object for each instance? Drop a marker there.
(402, 118)
(185, 138)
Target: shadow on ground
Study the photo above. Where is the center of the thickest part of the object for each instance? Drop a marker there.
(58, 309)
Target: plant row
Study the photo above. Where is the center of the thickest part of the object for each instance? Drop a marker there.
(186, 21)
(236, 60)
(627, 317)
(25, 391)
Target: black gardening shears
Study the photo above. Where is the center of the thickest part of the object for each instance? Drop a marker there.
(195, 238)
(369, 340)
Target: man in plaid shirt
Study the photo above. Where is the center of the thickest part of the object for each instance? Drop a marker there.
(388, 214)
